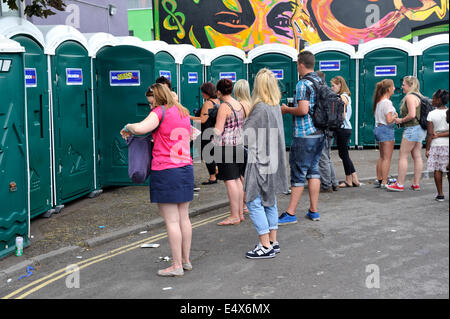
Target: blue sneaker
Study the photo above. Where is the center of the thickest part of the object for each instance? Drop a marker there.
(286, 219)
(313, 216)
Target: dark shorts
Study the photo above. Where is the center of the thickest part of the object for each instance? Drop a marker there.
(230, 161)
(173, 185)
(304, 158)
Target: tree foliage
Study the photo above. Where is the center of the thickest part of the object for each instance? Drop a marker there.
(38, 8)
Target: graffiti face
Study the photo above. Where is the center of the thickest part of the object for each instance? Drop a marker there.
(281, 21)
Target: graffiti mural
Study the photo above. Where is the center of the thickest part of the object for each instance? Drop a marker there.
(249, 23)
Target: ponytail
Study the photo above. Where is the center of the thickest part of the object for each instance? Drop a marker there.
(380, 90)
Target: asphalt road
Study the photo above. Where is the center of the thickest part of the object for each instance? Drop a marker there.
(369, 244)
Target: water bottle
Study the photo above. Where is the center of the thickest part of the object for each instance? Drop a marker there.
(19, 246)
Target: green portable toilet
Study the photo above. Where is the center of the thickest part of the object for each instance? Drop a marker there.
(71, 111)
(379, 59)
(335, 58)
(432, 66)
(165, 62)
(225, 62)
(190, 63)
(14, 186)
(96, 43)
(36, 83)
(124, 73)
(282, 61)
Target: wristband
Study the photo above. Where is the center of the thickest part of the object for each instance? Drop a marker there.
(125, 128)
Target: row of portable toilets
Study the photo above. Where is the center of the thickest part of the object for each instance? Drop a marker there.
(59, 137)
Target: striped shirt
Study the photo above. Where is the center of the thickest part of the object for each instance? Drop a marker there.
(303, 125)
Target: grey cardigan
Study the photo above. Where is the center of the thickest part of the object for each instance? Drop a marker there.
(265, 174)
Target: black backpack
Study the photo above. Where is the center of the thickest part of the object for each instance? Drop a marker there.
(212, 116)
(329, 108)
(426, 107)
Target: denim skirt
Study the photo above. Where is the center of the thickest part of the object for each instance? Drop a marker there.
(414, 133)
(384, 133)
(173, 185)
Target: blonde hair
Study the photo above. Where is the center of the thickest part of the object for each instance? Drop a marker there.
(163, 96)
(344, 87)
(266, 89)
(413, 83)
(241, 91)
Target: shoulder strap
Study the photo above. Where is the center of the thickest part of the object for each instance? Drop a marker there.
(420, 104)
(316, 89)
(162, 118)
(235, 116)
(245, 112)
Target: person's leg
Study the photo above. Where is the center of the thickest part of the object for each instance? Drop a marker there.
(258, 216)
(171, 216)
(272, 219)
(186, 231)
(438, 182)
(314, 190)
(418, 162)
(342, 144)
(405, 149)
(325, 167)
(380, 161)
(298, 175)
(387, 150)
(240, 187)
(235, 198)
(314, 174)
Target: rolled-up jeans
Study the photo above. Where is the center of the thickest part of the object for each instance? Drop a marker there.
(264, 218)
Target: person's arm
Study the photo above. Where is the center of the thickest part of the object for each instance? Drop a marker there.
(411, 103)
(391, 114)
(301, 109)
(221, 118)
(345, 99)
(203, 113)
(147, 125)
(441, 134)
(430, 131)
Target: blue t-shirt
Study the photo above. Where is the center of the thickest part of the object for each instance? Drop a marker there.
(303, 125)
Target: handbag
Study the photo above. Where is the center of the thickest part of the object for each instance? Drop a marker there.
(140, 150)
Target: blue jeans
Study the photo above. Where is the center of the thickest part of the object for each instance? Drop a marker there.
(264, 218)
(304, 158)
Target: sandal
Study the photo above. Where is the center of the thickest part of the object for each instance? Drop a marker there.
(229, 221)
(356, 185)
(246, 210)
(345, 185)
(209, 182)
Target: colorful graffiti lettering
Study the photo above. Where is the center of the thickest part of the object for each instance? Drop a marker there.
(249, 23)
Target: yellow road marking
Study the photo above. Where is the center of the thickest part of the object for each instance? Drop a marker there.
(93, 260)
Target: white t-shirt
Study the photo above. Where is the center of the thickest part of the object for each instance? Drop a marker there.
(438, 117)
(383, 107)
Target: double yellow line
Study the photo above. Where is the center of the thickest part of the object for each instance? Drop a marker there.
(47, 280)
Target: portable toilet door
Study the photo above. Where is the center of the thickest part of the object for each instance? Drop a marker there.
(14, 188)
(36, 83)
(191, 76)
(225, 62)
(282, 61)
(96, 43)
(380, 59)
(70, 74)
(123, 74)
(432, 66)
(336, 58)
(165, 62)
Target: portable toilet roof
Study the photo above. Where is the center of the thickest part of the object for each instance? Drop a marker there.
(11, 26)
(431, 41)
(212, 54)
(98, 40)
(394, 43)
(272, 48)
(184, 50)
(332, 46)
(54, 35)
(10, 46)
(130, 40)
(158, 46)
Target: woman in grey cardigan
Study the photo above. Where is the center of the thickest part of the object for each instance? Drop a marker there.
(265, 175)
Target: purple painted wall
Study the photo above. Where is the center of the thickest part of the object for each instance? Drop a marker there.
(90, 16)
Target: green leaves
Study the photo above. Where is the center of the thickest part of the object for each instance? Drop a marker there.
(38, 8)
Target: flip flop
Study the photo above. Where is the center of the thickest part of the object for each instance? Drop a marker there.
(356, 185)
(228, 221)
(209, 182)
(346, 185)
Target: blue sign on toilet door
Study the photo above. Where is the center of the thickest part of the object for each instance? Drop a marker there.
(386, 70)
(330, 65)
(30, 78)
(441, 66)
(228, 75)
(74, 76)
(166, 74)
(279, 74)
(192, 77)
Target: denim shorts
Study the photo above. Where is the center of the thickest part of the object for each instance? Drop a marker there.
(414, 133)
(384, 133)
(304, 158)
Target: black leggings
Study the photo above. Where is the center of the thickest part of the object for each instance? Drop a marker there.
(212, 165)
(342, 137)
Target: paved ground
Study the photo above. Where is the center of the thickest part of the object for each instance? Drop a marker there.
(404, 235)
(365, 237)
